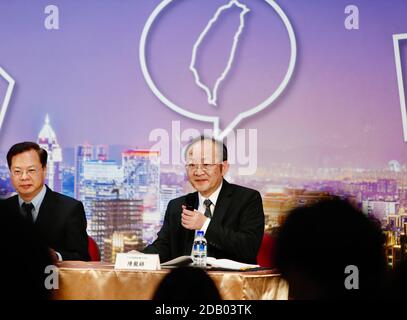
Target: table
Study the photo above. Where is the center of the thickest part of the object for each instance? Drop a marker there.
(80, 280)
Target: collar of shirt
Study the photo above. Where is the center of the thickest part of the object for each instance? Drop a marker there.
(36, 201)
(213, 197)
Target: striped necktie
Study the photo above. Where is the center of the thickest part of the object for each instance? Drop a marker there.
(207, 204)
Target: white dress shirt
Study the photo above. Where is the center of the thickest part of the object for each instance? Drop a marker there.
(36, 202)
(201, 207)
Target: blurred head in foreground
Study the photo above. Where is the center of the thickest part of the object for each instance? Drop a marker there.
(187, 284)
(328, 247)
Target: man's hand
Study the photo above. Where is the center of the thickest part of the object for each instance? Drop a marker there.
(192, 220)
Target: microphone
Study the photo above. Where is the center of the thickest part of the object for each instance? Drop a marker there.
(190, 201)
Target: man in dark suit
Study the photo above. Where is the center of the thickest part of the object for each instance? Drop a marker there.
(231, 216)
(59, 220)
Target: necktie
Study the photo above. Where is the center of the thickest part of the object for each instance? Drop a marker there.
(28, 207)
(207, 204)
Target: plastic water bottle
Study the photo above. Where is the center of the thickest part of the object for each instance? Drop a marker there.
(199, 250)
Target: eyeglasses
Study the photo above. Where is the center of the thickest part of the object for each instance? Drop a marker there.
(32, 172)
(204, 166)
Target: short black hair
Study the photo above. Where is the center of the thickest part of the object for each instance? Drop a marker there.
(187, 284)
(320, 240)
(24, 147)
(218, 143)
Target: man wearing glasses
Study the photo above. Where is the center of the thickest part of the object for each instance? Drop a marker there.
(231, 216)
(59, 220)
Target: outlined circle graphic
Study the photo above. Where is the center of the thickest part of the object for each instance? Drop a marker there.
(6, 101)
(215, 120)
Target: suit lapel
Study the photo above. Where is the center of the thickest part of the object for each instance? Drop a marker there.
(15, 206)
(47, 206)
(222, 205)
(223, 202)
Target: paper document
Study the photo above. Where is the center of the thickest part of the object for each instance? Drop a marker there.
(210, 261)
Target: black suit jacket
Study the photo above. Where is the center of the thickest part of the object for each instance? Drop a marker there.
(61, 223)
(235, 231)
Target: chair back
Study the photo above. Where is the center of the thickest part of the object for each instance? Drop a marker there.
(93, 250)
(265, 257)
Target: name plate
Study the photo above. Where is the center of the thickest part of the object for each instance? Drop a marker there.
(137, 261)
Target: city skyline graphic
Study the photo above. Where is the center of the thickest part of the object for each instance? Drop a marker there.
(81, 94)
(125, 201)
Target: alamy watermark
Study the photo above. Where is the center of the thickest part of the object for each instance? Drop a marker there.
(242, 146)
(352, 19)
(51, 281)
(51, 21)
(352, 280)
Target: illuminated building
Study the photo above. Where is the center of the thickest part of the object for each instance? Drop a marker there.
(68, 181)
(101, 180)
(167, 193)
(277, 202)
(387, 186)
(142, 177)
(83, 153)
(102, 152)
(379, 209)
(6, 188)
(121, 242)
(395, 221)
(47, 140)
(152, 222)
(117, 215)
